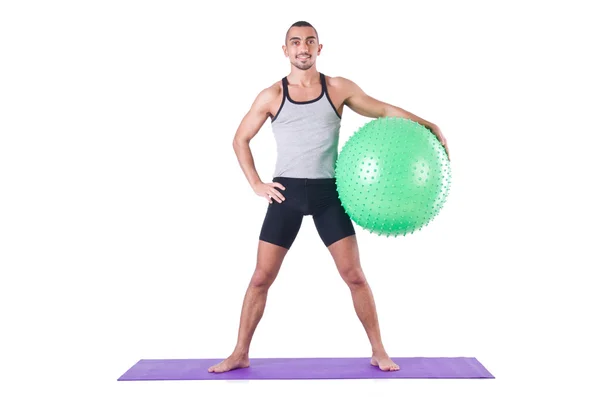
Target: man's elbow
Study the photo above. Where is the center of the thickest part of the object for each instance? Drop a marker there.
(239, 142)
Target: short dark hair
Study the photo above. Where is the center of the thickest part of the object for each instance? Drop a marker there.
(300, 24)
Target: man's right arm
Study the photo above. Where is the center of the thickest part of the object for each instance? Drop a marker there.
(248, 128)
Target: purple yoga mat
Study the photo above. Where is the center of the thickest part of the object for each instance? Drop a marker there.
(309, 368)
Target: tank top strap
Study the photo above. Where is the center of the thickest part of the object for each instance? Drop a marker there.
(284, 83)
(323, 83)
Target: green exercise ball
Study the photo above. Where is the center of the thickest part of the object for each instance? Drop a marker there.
(392, 176)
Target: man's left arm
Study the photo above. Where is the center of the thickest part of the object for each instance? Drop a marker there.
(365, 105)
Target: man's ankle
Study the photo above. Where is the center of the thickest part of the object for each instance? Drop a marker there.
(240, 352)
(380, 351)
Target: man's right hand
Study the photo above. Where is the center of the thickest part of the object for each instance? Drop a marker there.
(268, 191)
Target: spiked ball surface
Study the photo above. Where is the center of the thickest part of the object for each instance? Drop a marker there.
(392, 176)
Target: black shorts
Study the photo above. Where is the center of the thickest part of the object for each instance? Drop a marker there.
(316, 197)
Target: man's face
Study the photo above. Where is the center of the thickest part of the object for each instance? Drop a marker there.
(302, 47)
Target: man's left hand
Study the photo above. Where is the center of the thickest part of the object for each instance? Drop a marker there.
(438, 133)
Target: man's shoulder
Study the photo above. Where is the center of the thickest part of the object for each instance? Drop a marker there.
(337, 80)
(267, 95)
(271, 92)
(340, 82)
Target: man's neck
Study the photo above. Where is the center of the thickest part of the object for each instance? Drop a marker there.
(304, 78)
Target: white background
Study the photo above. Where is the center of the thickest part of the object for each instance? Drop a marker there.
(128, 231)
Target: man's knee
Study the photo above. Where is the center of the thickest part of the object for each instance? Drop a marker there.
(354, 277)
(262, 278)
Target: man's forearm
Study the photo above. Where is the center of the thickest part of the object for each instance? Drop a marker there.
(394, 111)
(246, 161)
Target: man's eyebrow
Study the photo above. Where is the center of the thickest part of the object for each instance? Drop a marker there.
(298, 38)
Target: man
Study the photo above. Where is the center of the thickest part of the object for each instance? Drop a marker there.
(305, 108)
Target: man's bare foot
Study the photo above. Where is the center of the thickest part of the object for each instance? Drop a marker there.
(230, 363)
(384, 362)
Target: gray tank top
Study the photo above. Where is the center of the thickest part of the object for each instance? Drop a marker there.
(307, 135)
